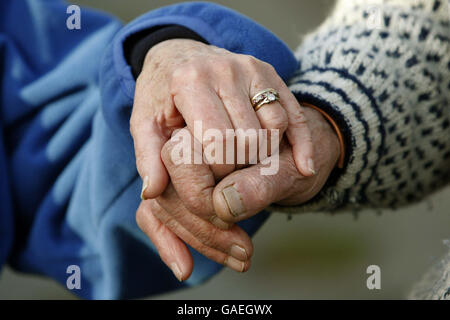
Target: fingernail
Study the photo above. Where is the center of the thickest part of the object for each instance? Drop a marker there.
(235, 264)
(144, 187)
(238, 252)
(176, 271)
(219, 223)
(311, 166)
(233, 200)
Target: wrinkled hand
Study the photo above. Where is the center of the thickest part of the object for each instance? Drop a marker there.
(184, 81)
(170, 220)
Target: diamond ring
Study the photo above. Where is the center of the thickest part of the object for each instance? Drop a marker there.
(263, 97)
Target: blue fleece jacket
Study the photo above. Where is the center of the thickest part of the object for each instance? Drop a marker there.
(69, 187)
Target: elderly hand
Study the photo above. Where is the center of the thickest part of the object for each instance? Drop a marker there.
(184, 81)
(174, 217)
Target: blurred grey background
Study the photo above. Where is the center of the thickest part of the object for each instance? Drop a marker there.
(313, 256)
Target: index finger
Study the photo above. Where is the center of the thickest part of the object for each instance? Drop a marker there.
(205, 115)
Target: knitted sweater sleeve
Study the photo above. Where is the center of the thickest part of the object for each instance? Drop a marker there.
(381, 69)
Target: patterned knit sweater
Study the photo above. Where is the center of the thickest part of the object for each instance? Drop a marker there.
(381, 69)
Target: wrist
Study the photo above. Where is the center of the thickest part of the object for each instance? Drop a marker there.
(137, 45)
(169, 48)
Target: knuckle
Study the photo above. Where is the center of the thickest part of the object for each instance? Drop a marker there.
(191, 72)
(207, 236)
(223, 65)
(163, 216)
(167, 219)
(171, 223)
(195, 206)
(197, 200)
(270, 68)
(259, 65)
(251, 62)
(260, 188)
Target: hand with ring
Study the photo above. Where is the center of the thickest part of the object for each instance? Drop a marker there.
(184, 212)
(184, 81)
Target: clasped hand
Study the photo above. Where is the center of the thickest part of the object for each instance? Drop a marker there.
(183, 83)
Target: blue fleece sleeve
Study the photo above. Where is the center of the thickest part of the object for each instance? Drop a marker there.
(68, 181)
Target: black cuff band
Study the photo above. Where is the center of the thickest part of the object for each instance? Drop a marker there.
(137, 45)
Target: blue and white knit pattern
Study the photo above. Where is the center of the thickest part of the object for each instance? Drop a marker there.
(381, 69)
(385, 79)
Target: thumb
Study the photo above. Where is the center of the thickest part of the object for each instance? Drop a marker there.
(149, 140)
(246, 192)
(299, 135)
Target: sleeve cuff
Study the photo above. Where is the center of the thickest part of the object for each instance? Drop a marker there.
(137, 45)
(342, 96)
(218, 26)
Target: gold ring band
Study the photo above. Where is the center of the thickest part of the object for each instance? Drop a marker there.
(264, 97)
